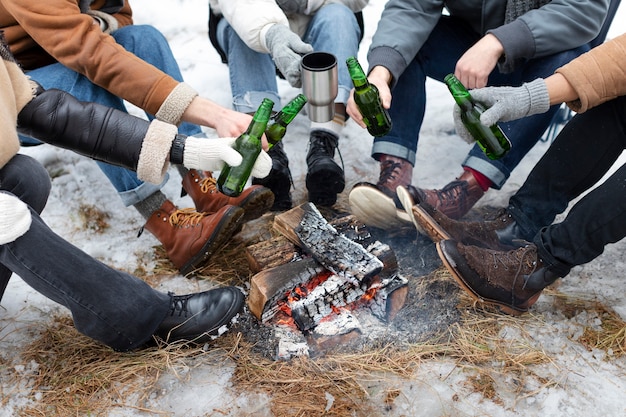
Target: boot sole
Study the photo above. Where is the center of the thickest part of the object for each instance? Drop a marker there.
(280, 186)
(226, 228)
(257, 203)
(375, 209)
(324, 183)
(422, 221)
(458, 278)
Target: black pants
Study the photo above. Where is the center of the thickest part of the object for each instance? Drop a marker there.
(581, 155)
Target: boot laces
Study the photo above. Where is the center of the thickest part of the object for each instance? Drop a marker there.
(178, 303)
(327, 146)
(525, 258)
(186, 217)
(388, 172)
(451, 193)
(207, 184)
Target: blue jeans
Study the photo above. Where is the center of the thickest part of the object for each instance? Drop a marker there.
(580, 156)
(148, 44)
(434, 61)
(332, 29)
(110, 306)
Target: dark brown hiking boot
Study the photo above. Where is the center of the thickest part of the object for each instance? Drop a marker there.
(189, 237)
(201, 187)
(455, 199)
(501, 233)
(511, 281)
(374, 204)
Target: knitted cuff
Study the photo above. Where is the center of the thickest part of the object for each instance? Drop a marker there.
(108, 23)
(539, 97)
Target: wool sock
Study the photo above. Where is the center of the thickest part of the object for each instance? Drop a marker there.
(335, 125)
(481, 179)
(151, 204)
(182, 170)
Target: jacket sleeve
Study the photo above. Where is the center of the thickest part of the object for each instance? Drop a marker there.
(99, 132)
(74, 40)
(599, 75)
(251, 19)
(557, 26)
(402, 30)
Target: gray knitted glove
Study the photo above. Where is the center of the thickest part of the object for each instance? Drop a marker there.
(293, 6)
(506, 104)
(511, 103)
(286, 49)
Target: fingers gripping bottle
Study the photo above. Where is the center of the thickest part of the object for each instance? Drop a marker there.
(277, 126)
(232, 180)
(367, 99)
(492, 139)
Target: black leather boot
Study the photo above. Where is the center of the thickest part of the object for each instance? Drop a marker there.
(198, 317)
(279, 179)
(324, 179)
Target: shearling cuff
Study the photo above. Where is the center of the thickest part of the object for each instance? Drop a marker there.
(155, 150)
(108, 23)
(172, 109)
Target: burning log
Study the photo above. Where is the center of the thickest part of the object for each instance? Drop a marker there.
(338, 330)
(273, 284)
(270, 253)
(389, 297)
(325, 298)
(341, 274)
(305, 226)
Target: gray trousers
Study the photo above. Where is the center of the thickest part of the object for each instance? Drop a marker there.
(110, 306)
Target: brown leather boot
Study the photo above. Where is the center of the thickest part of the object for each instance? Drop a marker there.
(510, 280)
(501, 233)
(189, 237)
(455, 199)
(201, 187)
(374, 204)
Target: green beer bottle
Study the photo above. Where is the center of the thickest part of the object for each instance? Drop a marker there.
(277, 126)
(367, 99)
(492, 139)
(232, 180)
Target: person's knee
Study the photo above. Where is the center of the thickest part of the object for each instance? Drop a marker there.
(28, 180)
(336, 15)
(133, 37)
(564, 57)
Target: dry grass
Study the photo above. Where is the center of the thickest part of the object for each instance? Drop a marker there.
(93, 218)
(78, 376)
(299, 387)
(609, 336)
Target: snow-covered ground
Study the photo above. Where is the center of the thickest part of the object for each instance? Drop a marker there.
(589, 382)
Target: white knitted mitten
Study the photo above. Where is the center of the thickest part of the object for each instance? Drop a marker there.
(15, 218)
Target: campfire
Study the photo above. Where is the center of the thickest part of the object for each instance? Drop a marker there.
(318, 281)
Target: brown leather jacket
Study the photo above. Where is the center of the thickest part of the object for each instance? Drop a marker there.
(40, 32)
